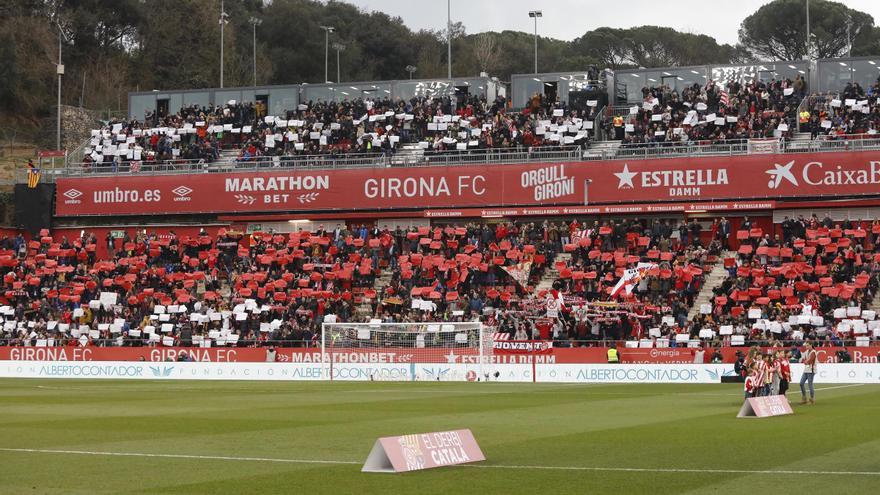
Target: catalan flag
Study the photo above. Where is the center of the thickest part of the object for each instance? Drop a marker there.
(33, 175)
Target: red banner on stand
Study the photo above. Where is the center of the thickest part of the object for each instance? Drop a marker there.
(550, 184)
(505, 352)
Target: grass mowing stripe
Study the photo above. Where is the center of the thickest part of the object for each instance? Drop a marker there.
(177, 456)
(650, 439)
(481, 466)
(677, 470)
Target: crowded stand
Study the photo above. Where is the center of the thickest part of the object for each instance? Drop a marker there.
(361, 126)
(814, 281)
(733, 111)
(854, 111)
(711, 114)
(267, 288)
(227, 288)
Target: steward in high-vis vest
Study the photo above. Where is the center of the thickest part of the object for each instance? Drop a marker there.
(613, 357)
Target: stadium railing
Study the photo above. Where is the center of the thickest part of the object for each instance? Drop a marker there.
(850, 142)
(371, 160)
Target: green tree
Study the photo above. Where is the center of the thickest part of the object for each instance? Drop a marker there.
(778, 30)
(177, 55)
(609, 46)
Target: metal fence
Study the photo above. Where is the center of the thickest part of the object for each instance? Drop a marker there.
(854, 142)
(860, 142)
(667, 150)
(409, 158)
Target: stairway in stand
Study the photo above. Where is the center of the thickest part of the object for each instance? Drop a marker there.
(712, 281)
(602, 150)
(407, 155)
(365, 308)
(551, 274)
(800, 141)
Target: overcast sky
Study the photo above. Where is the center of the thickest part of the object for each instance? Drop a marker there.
(568, 19)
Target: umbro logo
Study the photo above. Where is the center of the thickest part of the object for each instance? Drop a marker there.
(181, 193)
(73, 193)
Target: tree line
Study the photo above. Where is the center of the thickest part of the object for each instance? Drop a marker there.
(111, 47)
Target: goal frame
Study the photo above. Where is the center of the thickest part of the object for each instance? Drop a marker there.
(485, 345)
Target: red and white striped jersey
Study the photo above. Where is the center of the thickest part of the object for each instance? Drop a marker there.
(761, 372)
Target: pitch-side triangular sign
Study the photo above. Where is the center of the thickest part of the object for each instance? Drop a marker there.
(422, 451)
(764, 407)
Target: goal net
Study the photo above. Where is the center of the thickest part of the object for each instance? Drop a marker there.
(406, 351)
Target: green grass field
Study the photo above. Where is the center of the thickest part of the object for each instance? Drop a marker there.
(57, 437)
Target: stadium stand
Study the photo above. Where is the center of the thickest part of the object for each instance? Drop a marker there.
(361, 126)
(265, 288)
(711, 113)
(809, 278)
(852, 111)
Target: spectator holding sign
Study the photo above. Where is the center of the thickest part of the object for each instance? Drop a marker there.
(809, 360)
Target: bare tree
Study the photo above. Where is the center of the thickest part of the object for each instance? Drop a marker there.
(487, 52)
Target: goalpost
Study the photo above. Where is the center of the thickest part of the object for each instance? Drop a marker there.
(406, 351)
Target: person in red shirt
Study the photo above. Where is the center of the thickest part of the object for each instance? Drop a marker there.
(782, 359)
(749, 385)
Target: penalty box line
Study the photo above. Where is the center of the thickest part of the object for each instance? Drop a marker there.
(478, 466)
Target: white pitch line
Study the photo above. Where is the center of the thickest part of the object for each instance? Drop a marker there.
(482, 466)
(796, 388)
(177, 456)
(841, 386)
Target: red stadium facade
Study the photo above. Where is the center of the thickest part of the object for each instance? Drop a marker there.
(754, 182)
(577, 355)
(704, 188)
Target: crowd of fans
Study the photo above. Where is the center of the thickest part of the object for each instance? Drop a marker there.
(851, 112)
(712, 113)
(360, 126)
(815, 281)
(237, 289)
(262, 287)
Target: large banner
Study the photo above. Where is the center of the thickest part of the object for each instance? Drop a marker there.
(505, 352)
(598, 182)
(547, 373)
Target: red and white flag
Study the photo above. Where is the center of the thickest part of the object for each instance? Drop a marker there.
(520, 272)
(725, 98)
(631, 277)
(577, 235)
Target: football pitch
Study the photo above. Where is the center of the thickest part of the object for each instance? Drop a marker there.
(102, 436)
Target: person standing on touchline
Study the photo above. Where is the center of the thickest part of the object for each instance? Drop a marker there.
(809, 360)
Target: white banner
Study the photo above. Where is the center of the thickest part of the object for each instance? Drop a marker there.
(522, 372)
(632, 373)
